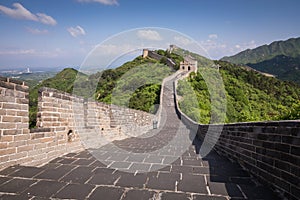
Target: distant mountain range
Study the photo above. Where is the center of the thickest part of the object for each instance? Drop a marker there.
(280, 58)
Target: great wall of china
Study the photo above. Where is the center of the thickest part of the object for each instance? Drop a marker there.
(270, 151)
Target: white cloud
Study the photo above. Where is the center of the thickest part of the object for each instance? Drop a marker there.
(46, 19)
(76, 31)
(32, 53)
(149, 35)
(213, 36)
(112, 49)
(37, 31)
(18, 52)
(105, 2)
(19, 12)
(182, 40)
(248, 45)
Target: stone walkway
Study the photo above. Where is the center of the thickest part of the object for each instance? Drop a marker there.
(162, 166)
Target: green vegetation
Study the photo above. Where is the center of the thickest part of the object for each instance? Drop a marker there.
(250, 96)
(175, 57)
(283, 67)
(146, 98)
(135, 84)
(281, 58)
(290, 48)
(62, 81)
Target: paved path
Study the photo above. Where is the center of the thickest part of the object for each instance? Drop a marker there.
(162, 166)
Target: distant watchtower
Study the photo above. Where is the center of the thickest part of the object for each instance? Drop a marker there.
(188, 64)
(145, 53)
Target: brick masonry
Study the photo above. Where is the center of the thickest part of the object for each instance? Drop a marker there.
(270, 151)
(63, 121)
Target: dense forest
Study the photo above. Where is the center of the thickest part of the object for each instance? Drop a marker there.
(250, 96)
(135, 84)
(280, 58)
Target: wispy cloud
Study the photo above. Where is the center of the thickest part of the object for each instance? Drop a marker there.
(32, 52)
(105, 2)
(19, 12)
(18, 52)
(182, 40)
(76, 31)
(46, 19)
(149, 35)
(213, 36)
(248, 45)
(36, 31)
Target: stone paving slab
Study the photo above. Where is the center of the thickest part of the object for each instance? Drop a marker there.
(179, 180)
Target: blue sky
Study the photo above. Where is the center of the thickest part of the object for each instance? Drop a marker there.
(60, 33)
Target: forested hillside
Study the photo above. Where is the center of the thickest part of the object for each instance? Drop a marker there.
(250, 96)
(280, 58)
(283, 67)
(136, 84)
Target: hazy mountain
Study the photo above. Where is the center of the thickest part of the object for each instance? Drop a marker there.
(280, 58)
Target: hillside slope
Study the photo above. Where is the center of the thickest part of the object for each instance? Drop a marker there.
(62, 81)
(280, 58)
(290, 48)
(250, 96)
(136, 84)
(283, 67)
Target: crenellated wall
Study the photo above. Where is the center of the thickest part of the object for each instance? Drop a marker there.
(18, 144)
(156, 56)
(65, 123)
(270, 151)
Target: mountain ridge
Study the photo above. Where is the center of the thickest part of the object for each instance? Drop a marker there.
(280, 58)
(290, 47)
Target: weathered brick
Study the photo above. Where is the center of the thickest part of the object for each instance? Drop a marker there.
(295, 191)
(22, 88)
(2, 111)
(4, 159)
(24, 148)
(15, 81)
(282, 147)
(21, 137)
(282, 165)
(22, 126)
(295, 150)
(7, 151)
(282, 184)
(25, 120)
(40, 145)
(46, 140)
(7, 85)
(295, 170)
(290, 178)
(22, 101)
(22, 113)
(3, 145)
(11, 106)
(12, 132)
(18, 156)
(17, 143)
(7, 99)
(37, 135)
(7, 126)
(24, 107)
(11, 119)
(6, 138)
